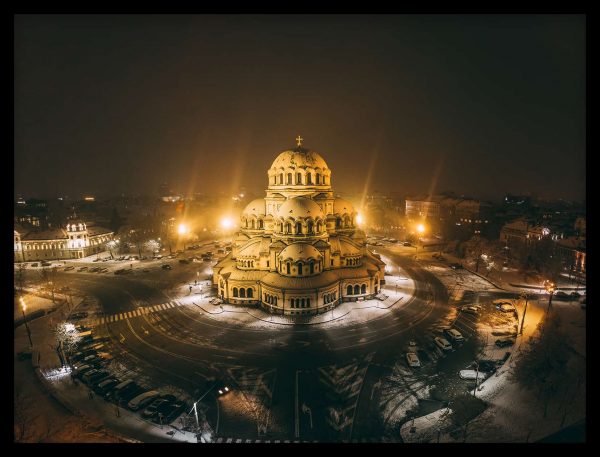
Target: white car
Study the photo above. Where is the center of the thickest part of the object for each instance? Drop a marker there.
(471, 310)
(472, 375)
(455, 335)
(413, 360)
(442, 343)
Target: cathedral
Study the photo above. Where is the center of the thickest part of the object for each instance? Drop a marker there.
(298, 250)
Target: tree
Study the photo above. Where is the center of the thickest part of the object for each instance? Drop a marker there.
(152, 246)
(115, 221)
(67, 336)
(110, 245)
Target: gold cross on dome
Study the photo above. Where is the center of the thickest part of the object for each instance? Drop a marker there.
(299, 140)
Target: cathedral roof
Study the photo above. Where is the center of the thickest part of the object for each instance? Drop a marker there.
(300, 251)
(299, 158)
(299, 207)
(341, 206)
(255, 208)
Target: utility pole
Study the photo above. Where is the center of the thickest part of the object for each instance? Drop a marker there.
(526, 297)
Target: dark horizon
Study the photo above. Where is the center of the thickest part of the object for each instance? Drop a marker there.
(481, 105)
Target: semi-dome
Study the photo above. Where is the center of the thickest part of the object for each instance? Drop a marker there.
(341, 206)
(300, 251)
(299, 158)
(300, 207)
(255, 208)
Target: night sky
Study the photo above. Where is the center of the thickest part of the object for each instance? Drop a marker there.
(481, 105)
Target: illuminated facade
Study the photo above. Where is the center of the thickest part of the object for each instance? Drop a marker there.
(298, 250)
(75, 241)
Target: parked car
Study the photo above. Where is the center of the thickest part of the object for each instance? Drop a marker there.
(505, 307)
(169, 411)
(69, 268)
(79, 371)
(46, 264)
(413, 360)
(456, 266)
(166, 266)
(93, 376)
(562, 295)
(79, 315)
(505, 342)
(184, 261)
(142, 400)
(152, 409)
(105, 384)
(472, 375)
(442, 343)
(407, 244)
(455, 335)
(34, 264)
(82, 269)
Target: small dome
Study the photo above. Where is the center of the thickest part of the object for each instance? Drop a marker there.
(300, 207)
(300, 251)
(341, 206)
(255, 208)
(299, 158)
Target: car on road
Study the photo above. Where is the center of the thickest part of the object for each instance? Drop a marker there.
(472, 375)
(166, 266)
(407, 244)
(46, 264)
(413, 360)
(142, 400)
(69, 268)
(184, 261)
(442, 343)
(562, 295)
(103, 270)
(504, 342)
(221, 388)
(34, 264)
(79, 315)
(82, 269)
(455, 335)
(94, 270)
(456, 266)
(474, 310)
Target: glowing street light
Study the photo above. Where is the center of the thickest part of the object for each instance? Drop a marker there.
(550, 287)
(359, 219)
(182, 229)
(226, 223)
(23, 309)
(421, 228)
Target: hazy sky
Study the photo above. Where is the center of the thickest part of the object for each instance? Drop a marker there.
(481, 105)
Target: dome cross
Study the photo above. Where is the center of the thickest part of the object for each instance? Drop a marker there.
(299, 140)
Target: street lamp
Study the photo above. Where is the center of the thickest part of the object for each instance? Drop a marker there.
(183, 230)
(226, 223)
(550, 287)
(23, 309)
(526, 297)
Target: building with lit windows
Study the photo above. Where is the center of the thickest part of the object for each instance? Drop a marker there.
(75, 241)
(299, 250)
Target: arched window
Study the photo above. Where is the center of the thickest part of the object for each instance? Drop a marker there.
(298, 178)
(299, 268)
(249, 294)
(347, 222)
(260, 224)
(288, 267)
(242, 293)
(349, 290)
(289, 178)
(303, 303)
(288, 228)
(312, 267)
(252, 225)
(308, 302)
(308, 178)
(280, 178)
(309, 227)
(298, 228)
(235, 292)
(318, 178)
(356, 290)
(292, 302)
(363, 289)
(338, 222)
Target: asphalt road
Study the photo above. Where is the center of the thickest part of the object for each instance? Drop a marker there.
(295, 382)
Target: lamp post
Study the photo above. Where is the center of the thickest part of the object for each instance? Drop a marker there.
(23, 309)
(183, 231)
(550, 287)
(526, 297)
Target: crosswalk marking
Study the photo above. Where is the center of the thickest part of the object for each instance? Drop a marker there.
(120, 316)
(135, 313)
(129, 314)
